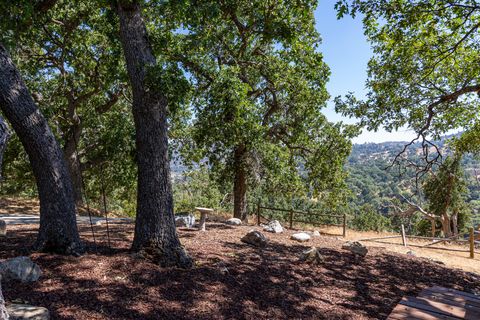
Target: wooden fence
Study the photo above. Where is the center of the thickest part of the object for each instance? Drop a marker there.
(471, 241)
(292, 214)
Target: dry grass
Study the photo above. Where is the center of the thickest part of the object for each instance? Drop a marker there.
(452, 259)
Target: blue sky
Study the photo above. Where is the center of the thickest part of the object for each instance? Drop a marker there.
(347, 52)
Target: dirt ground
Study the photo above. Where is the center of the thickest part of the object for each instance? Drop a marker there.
(451, 259)
(230, 280)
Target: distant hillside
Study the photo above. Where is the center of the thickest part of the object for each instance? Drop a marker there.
(375, 185)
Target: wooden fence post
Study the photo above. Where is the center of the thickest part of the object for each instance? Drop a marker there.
(472, 243)
(291, 218)
(404, 238)
(258, 213)
(344, 225)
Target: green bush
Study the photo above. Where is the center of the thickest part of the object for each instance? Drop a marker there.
(369, 220)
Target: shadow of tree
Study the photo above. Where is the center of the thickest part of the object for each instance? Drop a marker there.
(231, 280)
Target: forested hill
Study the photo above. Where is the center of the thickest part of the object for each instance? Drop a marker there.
(373, 184)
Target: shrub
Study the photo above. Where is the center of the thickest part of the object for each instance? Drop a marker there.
(370, 220)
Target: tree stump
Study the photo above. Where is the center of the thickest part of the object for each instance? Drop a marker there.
(203, 217)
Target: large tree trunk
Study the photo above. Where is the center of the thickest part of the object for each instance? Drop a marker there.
(155, 231)
(73, 163)
(58, 227)
(240, 184)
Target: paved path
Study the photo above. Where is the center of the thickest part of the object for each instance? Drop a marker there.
(17, 219)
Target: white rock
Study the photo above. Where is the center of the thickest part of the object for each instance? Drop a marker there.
(273, 226)
(27, 312)
(185, 220)
(316, 233)
(20, 268)
(255, 238)
(234, 221)
(301, 236)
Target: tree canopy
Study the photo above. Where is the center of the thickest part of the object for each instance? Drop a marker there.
(424, 73)
(258, 89)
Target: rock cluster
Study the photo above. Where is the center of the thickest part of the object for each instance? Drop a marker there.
(25, 270)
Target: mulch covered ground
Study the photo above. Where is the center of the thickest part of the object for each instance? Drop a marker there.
(231, 280)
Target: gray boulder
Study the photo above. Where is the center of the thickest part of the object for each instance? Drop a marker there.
(255, 238)
(312, 256)
(356, 248)
(234, 222)
(20, 268)
(3, 228)
(301, 236)
(273, 226)
(186, 220)
(27, 312)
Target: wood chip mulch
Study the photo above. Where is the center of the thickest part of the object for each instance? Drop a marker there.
(230, 280)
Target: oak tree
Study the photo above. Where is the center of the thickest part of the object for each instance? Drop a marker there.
(259, 87)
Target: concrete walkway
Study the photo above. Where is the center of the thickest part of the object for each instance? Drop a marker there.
(17, 219)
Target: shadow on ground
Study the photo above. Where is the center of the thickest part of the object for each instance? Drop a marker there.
(231, 280)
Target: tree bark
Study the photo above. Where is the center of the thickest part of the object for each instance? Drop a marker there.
(3, 309)
(155, 231)
(240, 184)
(446, 225)
(73, 163)
(58, 227)
(4, 136)
(454, 220)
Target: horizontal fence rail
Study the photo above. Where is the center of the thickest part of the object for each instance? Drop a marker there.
(435, 240)
(293, 213)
